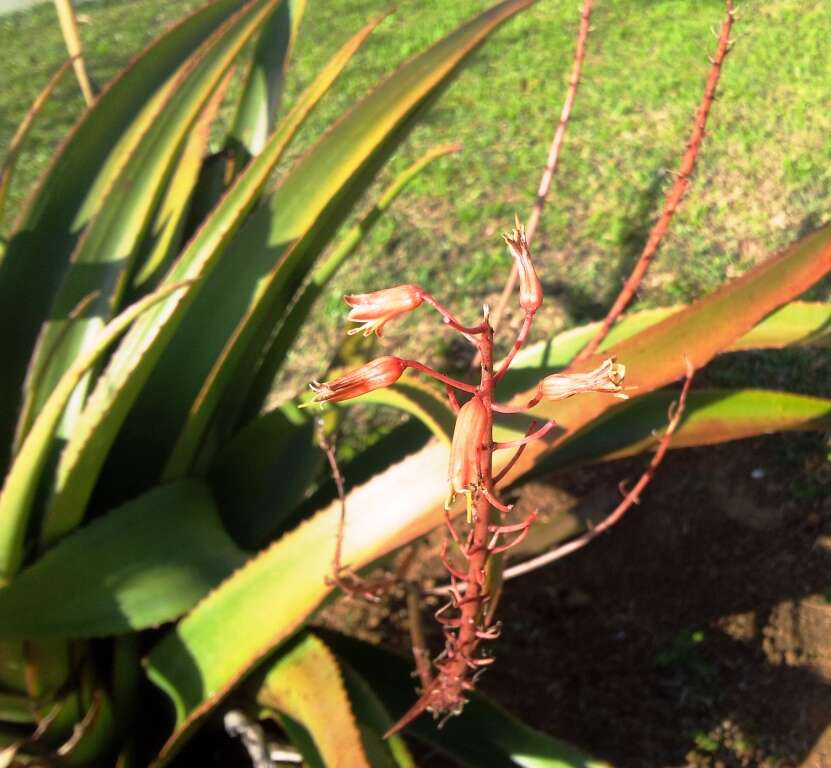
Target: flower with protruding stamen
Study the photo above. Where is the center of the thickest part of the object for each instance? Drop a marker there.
(530, 288)
(376, 308)
(470, 437)
(607, 377)
(378, 373)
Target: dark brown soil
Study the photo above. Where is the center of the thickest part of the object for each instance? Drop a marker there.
(695, 633)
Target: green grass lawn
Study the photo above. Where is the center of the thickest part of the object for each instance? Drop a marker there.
(763, 175)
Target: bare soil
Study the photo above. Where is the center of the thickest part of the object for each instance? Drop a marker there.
(695, 633)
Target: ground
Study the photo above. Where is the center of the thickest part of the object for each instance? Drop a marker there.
(695, 633)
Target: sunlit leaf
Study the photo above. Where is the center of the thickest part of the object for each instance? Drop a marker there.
(105, 256)
(292, 324)
(711, 416)
(71, 192)
(305, 683)
(21, 483)
(260, 99)
(134, 360)
(136, 567)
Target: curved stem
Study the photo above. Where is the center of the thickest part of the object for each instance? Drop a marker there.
(451, 319)
(519, 408)
(541, 432)
(451, 382)
(520, 340)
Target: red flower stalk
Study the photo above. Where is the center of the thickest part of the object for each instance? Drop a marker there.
(376, 374)
(607, 377)
(470, 439)
(530, 288)
(376, 308)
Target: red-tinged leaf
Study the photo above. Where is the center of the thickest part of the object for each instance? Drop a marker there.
(710, 416)
(656, 356)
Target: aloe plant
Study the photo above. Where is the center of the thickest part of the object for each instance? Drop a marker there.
(152, 512)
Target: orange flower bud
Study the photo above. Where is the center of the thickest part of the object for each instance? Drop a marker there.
(530, 288)
(378, 373)
(375, 309)
(608, 377)
(470, 435)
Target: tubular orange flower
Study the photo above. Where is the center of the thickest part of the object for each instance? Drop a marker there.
(530, 288)
(376, 308)
(470, 436)
(378, 373)
(607, 377)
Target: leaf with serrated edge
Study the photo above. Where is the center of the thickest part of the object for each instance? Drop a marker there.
(710, 416)
(195, 665)
(70, 192)
(305, 683)
(135, 567)
(266, 264)
(127, 372)
(108, 248)
(21, 483)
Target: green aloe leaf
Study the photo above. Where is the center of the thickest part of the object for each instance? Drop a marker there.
(135, 567)
(165, 235)
(236, 625)
(71, 192)
(260, 99)
(484, 736)
(374, 721)
(273, 458)
(106, 254)
(127, 372)
(291, 326)
(405, 501)
(249, 293)
(711, 416)
(305, 683)
(20, 485)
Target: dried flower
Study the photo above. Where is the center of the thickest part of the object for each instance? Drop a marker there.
(530, 288)
(378, 373)
(470, 436)
(608, 377)
(376, 308)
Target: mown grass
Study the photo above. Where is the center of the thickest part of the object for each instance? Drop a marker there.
(764, 174)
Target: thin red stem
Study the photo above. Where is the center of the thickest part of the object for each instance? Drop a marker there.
(452, 399)
(455, 383)
(540, 433)
(675, 195)
(451, 319)
(519, 408)
(631, 498)
(520, 340)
